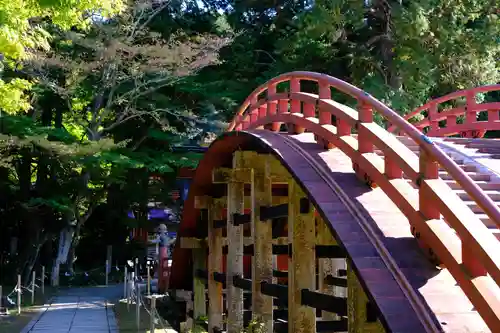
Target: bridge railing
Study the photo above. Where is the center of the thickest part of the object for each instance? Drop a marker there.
(475, 249)
(437, 120)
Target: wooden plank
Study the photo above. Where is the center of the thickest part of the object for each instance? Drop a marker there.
(220, 190)
(277, 200)
(277, 173)
(200, 302)
(235, 253)
(226, 176)
(215, 306)
(262, 263)
(197, 243)
(302, 270)
(328, 267)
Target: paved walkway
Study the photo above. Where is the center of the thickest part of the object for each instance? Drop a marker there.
(82, 310)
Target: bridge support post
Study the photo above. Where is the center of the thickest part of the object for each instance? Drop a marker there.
(328, 267)
(215, 298)
(361, 314)
(199, 263)
(301, 266)
(262, 262)
(235, 205)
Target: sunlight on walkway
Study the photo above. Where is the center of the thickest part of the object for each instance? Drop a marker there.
(75, 314)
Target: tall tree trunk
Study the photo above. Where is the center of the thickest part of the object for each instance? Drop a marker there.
(29, 224)
(76, 237)
(93, 135)
(65, 239)
(30, 263)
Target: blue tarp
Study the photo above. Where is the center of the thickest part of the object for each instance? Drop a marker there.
(155, 213)
(164, 214)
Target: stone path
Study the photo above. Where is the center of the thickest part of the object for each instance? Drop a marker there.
(77, 311)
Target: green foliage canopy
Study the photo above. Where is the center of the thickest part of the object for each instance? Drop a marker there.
(22, 30)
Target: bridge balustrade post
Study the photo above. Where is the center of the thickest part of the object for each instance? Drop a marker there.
(283, 106)
(262, 111)
(235, 205)
(432, 115)
(309, 110)
(365, 145)
(470, 112)
(254, 112)
(493, 115)
(365, 116)
(451, 121)
(241, 124)
(428, 170)
(272, 107)
(343, 127)
(295, 106)
(325, 117)
(302, 264)
(391, 169)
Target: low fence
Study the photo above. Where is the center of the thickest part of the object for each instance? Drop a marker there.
(133, 293)
(37, 285)
(19, 289)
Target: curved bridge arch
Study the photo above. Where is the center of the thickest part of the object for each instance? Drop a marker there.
(424, 206)
(428, 116)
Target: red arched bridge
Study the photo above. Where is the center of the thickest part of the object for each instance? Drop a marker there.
(307, 216)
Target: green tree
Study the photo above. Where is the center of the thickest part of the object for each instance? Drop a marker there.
(112, 78)
(22, 31)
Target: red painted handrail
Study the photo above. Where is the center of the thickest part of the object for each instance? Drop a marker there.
(393, 117)
(476, 250)
(471, 127)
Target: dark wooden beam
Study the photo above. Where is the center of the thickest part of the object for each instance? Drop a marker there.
(322, 326)
(240, 219)
(331, 325)
(324, 302)
(335, 281)
(220, 277)
(273, 212)
(330, 251)
(280, 274)
(274, 290)
(242, 283)
(219, 224)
